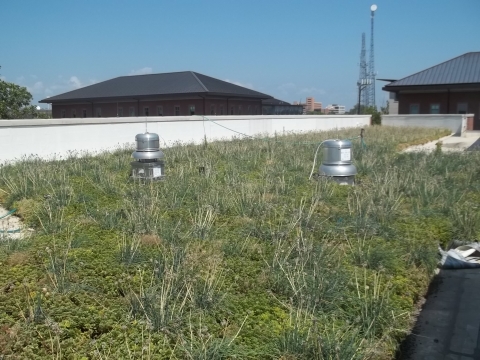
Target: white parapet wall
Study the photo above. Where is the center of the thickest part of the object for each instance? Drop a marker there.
(57, 138)
(457, 123)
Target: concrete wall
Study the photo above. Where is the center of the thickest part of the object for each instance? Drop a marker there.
(57, 137)
(457, 123)
(392, 107)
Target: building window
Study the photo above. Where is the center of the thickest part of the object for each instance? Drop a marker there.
(64, 113)
(192, 110)
(414, 109)
(120, 111)
(221, 109)
(99, 112)
(146, 111)
(462, 108)
(159, 110)
(239, 109)
(232, 111)
(132, 111)
(177, 110)
(74, 113)
(434, 108)
(212, 109)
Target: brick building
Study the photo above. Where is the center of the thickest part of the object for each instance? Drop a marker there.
(310, 106)
(168, 94)
(452, 87)
(280, 107)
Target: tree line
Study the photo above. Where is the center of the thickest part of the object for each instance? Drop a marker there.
(15, 102)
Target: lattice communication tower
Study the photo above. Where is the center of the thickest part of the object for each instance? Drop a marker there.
(371, 65)
(363, 71)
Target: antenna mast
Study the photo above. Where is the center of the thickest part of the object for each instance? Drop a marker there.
(371, 66)
(363, 72)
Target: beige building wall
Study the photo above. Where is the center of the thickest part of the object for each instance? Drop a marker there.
(310, 104)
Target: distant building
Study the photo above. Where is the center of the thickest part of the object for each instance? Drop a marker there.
(168, 94)
(279, 107)
(392, 104)
(452, 87)
(335, 109)
(310, 105)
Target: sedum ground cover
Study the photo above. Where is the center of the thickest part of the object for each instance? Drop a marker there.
(245, 258)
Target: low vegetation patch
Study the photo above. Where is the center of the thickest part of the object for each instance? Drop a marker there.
(246, 259)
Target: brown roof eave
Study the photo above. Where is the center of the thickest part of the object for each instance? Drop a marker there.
(142, 97)
(113, 98)
(431, 87)
(239, 96)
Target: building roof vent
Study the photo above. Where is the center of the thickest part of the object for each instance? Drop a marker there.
(337, 161)
(148, 147)
(149, 162)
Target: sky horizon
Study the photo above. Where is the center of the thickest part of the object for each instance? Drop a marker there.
(289, 50)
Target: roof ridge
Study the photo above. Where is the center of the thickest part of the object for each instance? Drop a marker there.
(431, 67)
(156, 73)
(196, 77)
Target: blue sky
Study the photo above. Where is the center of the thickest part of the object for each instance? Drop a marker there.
(287, 49)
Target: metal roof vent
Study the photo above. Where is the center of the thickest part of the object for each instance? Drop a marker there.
(337, 162)
(148, 164)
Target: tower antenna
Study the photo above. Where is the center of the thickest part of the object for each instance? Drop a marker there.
(371, 65)
(363, 71)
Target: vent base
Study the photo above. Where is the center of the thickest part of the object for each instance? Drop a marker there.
(147, 170)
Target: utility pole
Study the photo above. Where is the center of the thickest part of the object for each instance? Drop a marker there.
(362, 84)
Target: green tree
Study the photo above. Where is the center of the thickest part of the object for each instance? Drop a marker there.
(363, 110)
(354, 110)
(376, 115)
(42, 115)
(15, 102)
(370, 110)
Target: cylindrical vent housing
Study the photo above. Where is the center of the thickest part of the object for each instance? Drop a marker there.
(148, 157)
(148, 148)
(337, 161)
(147, 142)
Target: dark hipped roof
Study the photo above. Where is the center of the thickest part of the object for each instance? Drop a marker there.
(166, 84)
(464, 69)
(387, 80)
(274, 101)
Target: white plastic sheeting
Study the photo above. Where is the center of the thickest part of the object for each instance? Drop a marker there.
(461, 257)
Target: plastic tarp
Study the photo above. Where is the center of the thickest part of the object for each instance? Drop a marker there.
(461, 257)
